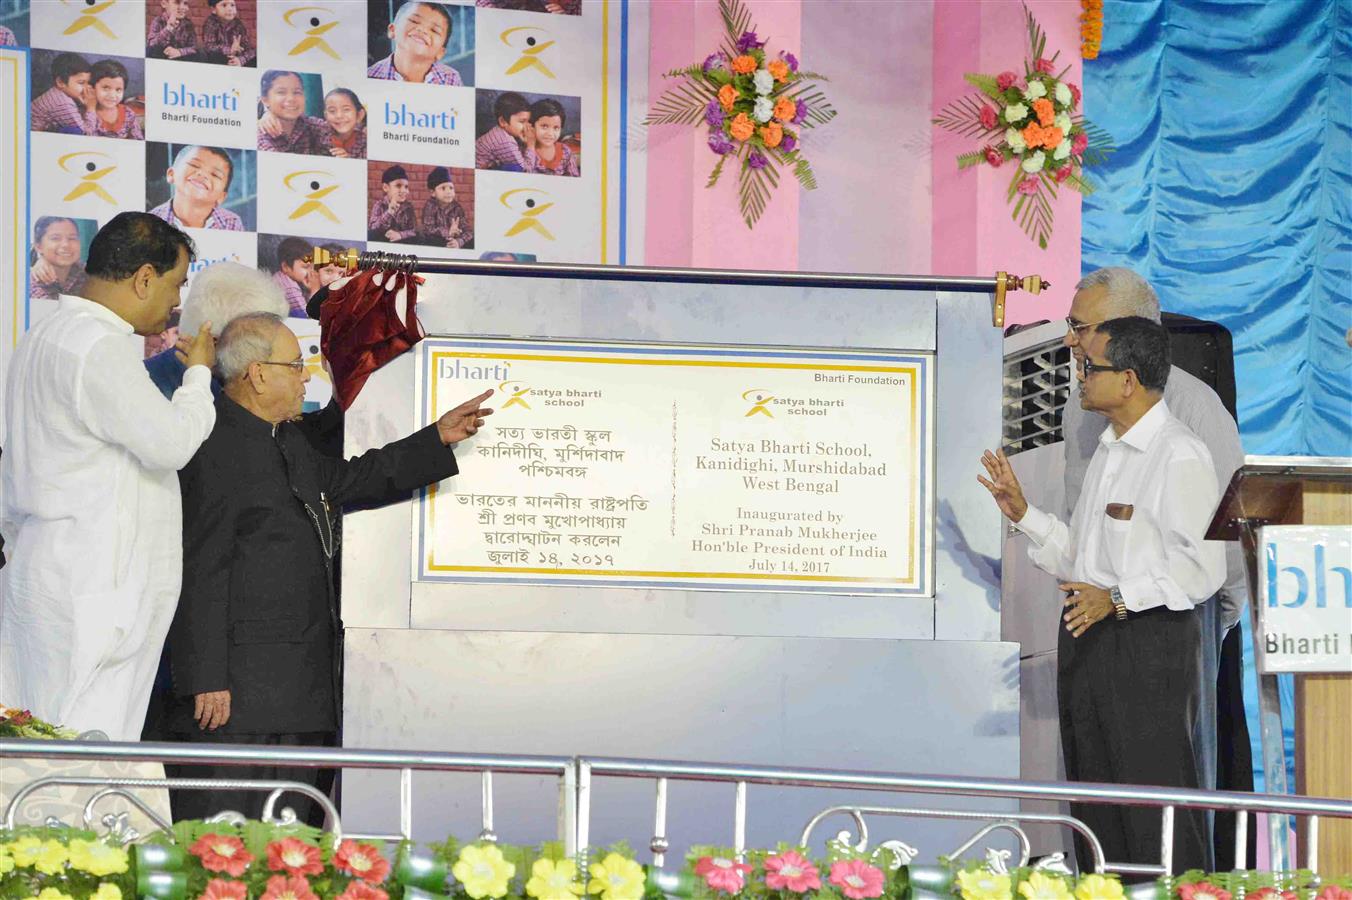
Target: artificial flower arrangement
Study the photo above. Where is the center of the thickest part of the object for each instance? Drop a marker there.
(754, 106)
(1033, 121)
(20, 723)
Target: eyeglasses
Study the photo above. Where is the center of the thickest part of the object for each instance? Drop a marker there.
(296, 365)
(1076, 326)
(1089, 368)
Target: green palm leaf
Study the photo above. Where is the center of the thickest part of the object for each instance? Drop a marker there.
(963, 116)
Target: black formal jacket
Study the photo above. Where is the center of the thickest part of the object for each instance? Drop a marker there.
(258, 614)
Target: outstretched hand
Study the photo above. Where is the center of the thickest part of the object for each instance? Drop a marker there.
(465, 420)
(1003, 485)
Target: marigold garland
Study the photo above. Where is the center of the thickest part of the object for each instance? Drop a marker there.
(1091, 28)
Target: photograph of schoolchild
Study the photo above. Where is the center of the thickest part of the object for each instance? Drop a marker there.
(504, 256)
(223, 32)
(102, 98)
(14, 23)
(421, 41)
(286, 257)
(56, 258)
(555, 7)
(333, 271)
(390, 215)
(291, 113)
(420, 204)
(346, 119)
(510, 141)
(200, 186)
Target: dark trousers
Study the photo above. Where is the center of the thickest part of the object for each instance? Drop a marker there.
(1128, 701)
(195, 804)
(1235, 769)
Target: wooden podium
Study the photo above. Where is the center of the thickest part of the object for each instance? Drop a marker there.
(1271, 490)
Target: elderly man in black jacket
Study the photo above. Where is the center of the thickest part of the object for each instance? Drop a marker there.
(255, 644)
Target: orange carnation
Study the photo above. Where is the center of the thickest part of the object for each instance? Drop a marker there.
(1033, 135)
(1046, 113)
(727, 95)
(778, 68)
(1052, 137)
(742, 127)
(744, 65)
(772, 133)
(785, 109)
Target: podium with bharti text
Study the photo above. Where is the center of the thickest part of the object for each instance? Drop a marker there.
(1300, 491)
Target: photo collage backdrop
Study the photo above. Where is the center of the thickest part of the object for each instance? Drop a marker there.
(450, 130)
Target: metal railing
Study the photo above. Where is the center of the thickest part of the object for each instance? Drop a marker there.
(576, 776)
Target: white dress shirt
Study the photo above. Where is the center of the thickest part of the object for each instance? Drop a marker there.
(91, 510)
(1197, 406)
(1158, 557)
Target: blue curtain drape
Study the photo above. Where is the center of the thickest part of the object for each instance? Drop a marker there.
(1231, 190)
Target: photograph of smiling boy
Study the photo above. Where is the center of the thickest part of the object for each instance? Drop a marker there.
(56, 256)
(194, 186)
(291, 113)
(507, 140)
(417, 190)
(427, 42)
(61, 92)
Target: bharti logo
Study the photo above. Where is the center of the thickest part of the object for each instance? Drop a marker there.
(530, 210)
(184, 96)
(314, 186)
(401, 115)
(93, 173)
(531, 48)
(518, 392)
(89, 17)
(320, 21)
(202, 262)
(758, 397)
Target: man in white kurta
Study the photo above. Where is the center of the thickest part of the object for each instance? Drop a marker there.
(90, 509)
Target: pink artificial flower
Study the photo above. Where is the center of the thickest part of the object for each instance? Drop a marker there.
(360, 890)
(1202, 890)
(988, 117)
(1029, 186)
(361, 861)
(791, 871)
(294, 887)
(1271, 893)
(1333, 892)
(1078, 143)
(295, 857)
(859, 880)
(223, 889)
(1074, 94)
(1062, 174)
(1043, 65)
(1005, 80)
(994, 157)
(721, 873)
(222, 853)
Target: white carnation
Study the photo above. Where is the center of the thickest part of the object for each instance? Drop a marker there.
(1062, 150)
(1034, 90)
(1015, 112)
(764, 81)
(1015, 140)
(1063, 122)
(1034, 163)
(1063, 96)
(763, 110)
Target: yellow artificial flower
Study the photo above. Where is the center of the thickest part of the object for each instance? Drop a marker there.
(6, 861)
(617, 878)
(1097, 887)
(483, 871)
(51, 858)
(1041, 886)
(53, 894)
(983, 886)
(107, 891)
(97, 858)
(554, 880)
(25, 850)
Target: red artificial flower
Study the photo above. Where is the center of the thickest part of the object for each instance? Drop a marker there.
(1005, 80)
(360, 890)
(222, 853)
(295, 887)
(361, 861)
(22, 717)
(858, 880)
(1202, 890)
(994, 157)
(1029, 186)
(1043, 65)
(988, 117)
(1333, 892)
(722, 874)
(1078, 143)
(1074, 94)
(223, 889)
(791, 871)
(295, 857)
(1062, 174)
(1271, 893)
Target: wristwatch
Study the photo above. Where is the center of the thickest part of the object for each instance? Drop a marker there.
(1119, 605)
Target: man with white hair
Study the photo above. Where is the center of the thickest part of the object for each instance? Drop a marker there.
(219, 293)
(1114, 293)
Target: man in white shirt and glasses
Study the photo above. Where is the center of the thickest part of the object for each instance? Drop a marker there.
(1134, 565)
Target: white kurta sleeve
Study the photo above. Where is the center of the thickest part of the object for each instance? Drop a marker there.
(120, 404)
(1051, 549)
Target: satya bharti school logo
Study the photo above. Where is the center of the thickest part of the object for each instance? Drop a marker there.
(531, 47)
(314, 185)
(90, 172)
(530, 210)
(90, 12)
(314, 22)
(518, 392)
(758, 397)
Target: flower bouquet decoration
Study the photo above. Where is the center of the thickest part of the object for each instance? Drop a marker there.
(755, 107)
(20, 723)
(1034, 122)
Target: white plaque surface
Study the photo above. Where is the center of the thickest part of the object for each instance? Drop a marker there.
(1305, 598)
(678, 466)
